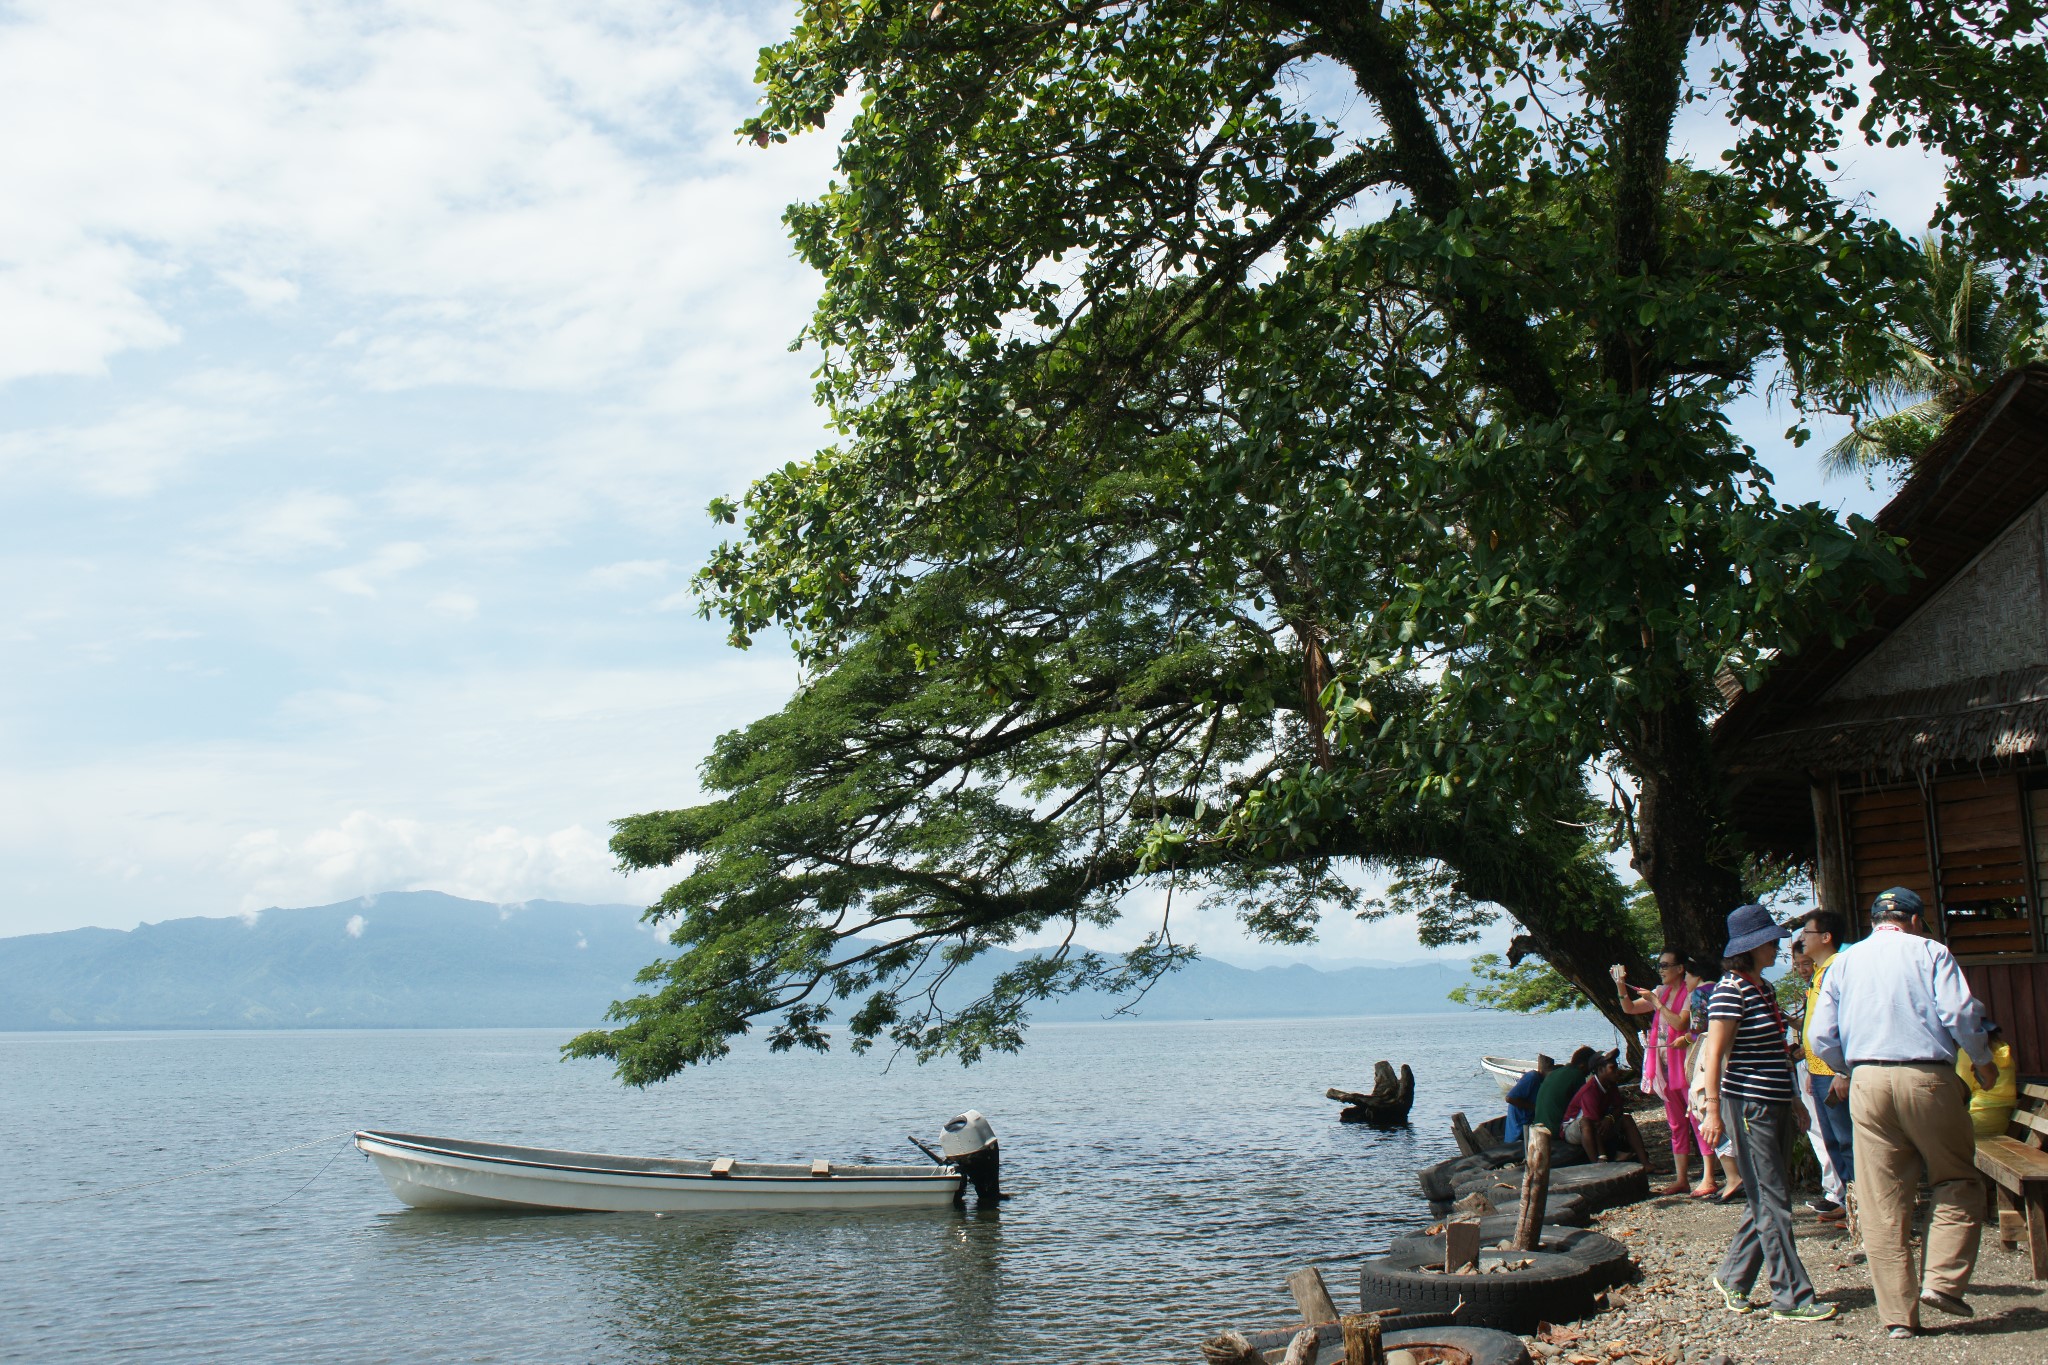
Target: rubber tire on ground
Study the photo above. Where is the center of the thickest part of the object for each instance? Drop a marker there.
(1551, 1288)
(1605, 1184)
(1606, 1258)
(1439, 1181)
(1559, 1207)
(1483, 1344)
(1330, 1335)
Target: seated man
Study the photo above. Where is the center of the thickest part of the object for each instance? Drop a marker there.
(1595, 1122)
(1558, 1088)
(1522, 1100)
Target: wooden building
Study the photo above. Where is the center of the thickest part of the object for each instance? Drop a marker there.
(1916, 754)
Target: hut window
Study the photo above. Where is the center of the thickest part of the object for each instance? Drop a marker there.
(1981, 836)
(1887, 843)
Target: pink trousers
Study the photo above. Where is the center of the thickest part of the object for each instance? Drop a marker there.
(1685, 1135)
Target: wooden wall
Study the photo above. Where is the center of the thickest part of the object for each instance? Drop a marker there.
(2015, 995)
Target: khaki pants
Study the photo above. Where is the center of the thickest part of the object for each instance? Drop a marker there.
(1906, 1116)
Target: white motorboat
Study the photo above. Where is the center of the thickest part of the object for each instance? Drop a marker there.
(1505, 1071)
(450, 1173)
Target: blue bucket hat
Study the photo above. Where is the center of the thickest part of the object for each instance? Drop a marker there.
(1898, 900)
(1751, 926)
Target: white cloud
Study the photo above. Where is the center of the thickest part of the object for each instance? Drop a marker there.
(131, 453)
(354, 926)
(455, 606)
(366, 578)
(510, 185)
(628, 573)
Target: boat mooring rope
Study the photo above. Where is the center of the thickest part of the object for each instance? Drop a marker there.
(209, 1170)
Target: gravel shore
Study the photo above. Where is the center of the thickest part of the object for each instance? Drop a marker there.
(1670, 1315)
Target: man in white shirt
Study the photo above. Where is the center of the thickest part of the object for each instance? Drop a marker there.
(1892, 1013)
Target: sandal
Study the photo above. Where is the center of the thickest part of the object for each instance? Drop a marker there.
(1731, 1194)
(1707, 1192)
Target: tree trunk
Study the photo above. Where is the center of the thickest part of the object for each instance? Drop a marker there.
(1680, 841)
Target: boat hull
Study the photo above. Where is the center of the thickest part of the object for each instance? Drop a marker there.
(1505, 1071)
(431, 1173)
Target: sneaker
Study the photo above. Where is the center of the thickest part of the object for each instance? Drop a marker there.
(1736, 1303)
(1823, 1205)
(1806, 1312)
(1947, 1303)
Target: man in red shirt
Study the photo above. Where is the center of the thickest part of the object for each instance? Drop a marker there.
(1595, 1120)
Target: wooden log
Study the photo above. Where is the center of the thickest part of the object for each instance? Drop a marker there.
(1384, 1086)
(1535, 1189)
(1362, 1344)
(1461, 1244)
(1312, 1296)
(1231, 1348)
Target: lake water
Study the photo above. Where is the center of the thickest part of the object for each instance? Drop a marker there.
(1168, 1176)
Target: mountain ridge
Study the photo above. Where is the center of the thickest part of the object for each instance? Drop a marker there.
(424, 959)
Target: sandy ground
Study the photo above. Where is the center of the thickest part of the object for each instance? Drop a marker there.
(1671, 1315)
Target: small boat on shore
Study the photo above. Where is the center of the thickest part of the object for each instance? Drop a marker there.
(1505, 1071)
(452, 1173)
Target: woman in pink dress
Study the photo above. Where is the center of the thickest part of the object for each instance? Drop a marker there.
(1664, 1057)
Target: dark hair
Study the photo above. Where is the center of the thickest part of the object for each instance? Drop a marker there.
(1702, 967)
(1825, 922)
(1583, 1056)
(1670, 952)
(1741, 962)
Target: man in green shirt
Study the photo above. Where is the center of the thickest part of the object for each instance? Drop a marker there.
(1559, 1086)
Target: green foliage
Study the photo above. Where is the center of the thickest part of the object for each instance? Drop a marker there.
(1528, 987)
(1280, 438)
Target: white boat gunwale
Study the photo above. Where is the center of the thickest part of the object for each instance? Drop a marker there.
(413, 1142)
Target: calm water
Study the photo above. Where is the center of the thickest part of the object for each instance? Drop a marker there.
(1168, 1177)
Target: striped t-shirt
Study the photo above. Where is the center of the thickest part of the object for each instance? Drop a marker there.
(1758, 1068)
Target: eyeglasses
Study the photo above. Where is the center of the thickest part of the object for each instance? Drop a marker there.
(1667, 964)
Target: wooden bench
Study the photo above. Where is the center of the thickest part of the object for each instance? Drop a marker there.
(2017, 1164)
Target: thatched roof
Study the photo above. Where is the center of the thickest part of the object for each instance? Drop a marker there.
(1998, 718)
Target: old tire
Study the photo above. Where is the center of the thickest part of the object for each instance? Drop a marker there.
(1606, 1258)
(1551, 1288)
(1484, 1345)
(1440, 1181)
(1558, 1207)
(1604, 1184)
(1330, 1335)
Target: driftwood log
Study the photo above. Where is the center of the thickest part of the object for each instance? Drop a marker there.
(1391, 1098)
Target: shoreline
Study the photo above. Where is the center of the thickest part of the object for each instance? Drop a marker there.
(1667, 1314)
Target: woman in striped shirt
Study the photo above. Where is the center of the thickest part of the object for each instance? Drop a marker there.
(1749, 1094)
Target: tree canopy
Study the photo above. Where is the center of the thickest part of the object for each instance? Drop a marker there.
(1280, 438)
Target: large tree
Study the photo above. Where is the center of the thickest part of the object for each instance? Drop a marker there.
(1283, 436)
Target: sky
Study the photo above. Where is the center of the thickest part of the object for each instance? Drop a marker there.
(365, 372)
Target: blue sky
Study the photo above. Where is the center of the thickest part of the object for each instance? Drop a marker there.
(366, 371)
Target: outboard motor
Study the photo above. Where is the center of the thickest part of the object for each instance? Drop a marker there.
(970, 1144)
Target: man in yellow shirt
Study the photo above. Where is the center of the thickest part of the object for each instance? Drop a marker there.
(1820, 934)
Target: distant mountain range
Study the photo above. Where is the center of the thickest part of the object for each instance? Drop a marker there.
(420, 959)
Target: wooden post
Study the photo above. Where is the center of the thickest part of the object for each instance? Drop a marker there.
(1461, 1244)
(1535, 1189)
(1362, 1340)
(1311, 1296)
(1461, 1133)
